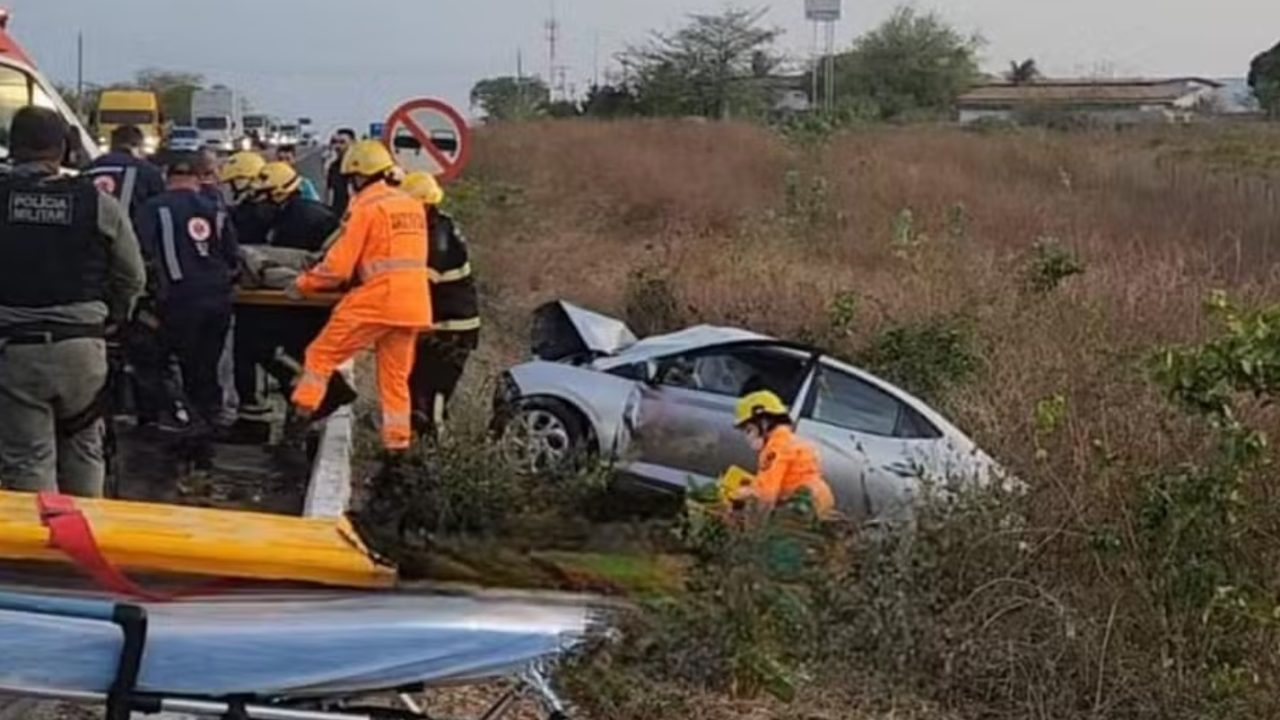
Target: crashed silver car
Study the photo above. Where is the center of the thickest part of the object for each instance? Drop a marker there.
(660, 410)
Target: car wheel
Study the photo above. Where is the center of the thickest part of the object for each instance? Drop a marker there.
(544, 436)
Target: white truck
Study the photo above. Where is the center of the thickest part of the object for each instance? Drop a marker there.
(216, 114)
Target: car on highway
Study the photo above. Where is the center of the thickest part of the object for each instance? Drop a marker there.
(183, 139)
(660, 410)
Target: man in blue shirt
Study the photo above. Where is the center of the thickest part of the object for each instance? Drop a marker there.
(123, 173)
(289, 154)
(192, 258)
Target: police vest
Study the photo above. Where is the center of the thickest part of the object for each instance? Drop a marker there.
(51, 250)
(454, 302)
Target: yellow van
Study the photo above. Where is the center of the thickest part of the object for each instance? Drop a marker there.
(130, 107)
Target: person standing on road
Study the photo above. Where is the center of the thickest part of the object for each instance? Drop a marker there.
(251, 218)
(442, 354)
(383, 242)
(192, 258)
(123, 173)
(338, 191)
(69, 268)
(288, 154)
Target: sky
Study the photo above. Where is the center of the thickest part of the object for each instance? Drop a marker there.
(344, 62)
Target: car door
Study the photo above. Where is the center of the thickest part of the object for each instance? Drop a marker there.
(872, 444)
(683, 430)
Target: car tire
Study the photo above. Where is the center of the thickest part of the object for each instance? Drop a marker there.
(544, 436)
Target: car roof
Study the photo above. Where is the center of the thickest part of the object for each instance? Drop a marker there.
(694, 338)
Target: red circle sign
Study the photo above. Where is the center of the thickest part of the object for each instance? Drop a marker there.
(418, 145)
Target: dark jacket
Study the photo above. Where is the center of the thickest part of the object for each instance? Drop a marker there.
(124, 275)
(338, 192)
(129, 179)
(455, 305)
(302, 224)
(252, 221)
(191, 249)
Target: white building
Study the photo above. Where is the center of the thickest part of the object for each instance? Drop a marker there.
(1106, 101)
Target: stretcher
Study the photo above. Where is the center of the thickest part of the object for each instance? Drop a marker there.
(332, 656)
(259, 297)
(301, 624)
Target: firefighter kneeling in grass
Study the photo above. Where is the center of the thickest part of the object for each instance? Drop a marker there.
(383, 242)
(789, 468)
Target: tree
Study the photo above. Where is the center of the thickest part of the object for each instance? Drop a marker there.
(510, 98)
(1264, 79)
(913, 64)
(705, 68)
(174, 90)
(1022, 73)
(610, 101)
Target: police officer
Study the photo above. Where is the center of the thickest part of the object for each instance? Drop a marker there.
(69, 267)
(123, 173)
(442, 353)
(192, 259)
(296, 222)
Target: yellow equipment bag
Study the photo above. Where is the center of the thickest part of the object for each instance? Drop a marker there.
(187, 540)
(733, 480)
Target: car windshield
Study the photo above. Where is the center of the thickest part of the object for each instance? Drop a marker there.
(211, 123)
(183, 134)
(126, 117)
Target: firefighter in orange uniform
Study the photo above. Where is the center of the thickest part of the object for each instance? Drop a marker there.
(787, 465)
(382, 244)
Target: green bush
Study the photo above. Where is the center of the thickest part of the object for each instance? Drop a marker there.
(1050, 265)
(652, 304)
(927, 358)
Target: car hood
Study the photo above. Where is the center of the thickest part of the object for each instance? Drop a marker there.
(563, 331)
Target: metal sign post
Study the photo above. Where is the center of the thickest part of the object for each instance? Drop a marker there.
(826, 13)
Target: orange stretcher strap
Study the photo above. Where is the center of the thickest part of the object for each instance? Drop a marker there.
(70, 532)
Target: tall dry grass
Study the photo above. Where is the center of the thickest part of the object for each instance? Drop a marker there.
(921, 223)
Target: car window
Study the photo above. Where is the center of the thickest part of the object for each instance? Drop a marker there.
(845, 401)
(736, 371)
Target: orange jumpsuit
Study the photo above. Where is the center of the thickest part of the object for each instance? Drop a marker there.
(383, 244)
(787, 465)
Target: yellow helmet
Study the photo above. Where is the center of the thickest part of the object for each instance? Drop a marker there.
(368, 158)
(422, 186)
(759, 404)
(277, 181)
(240, 170)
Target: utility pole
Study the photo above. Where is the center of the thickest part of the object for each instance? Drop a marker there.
(80, 73)
(595, 61)
(553, 39)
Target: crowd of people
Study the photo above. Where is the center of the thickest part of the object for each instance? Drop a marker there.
(147, 258)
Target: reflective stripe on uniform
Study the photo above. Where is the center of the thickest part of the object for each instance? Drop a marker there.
(127, 185)
(457, 325)
(437, 409)
(168, 246)
(374, 268)
(221, 223)
(449, 276)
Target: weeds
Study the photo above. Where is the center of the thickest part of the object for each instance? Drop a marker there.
(927, 358)
(652, 303)
(1050, 265)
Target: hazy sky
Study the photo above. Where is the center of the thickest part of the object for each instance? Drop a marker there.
(350, 61)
